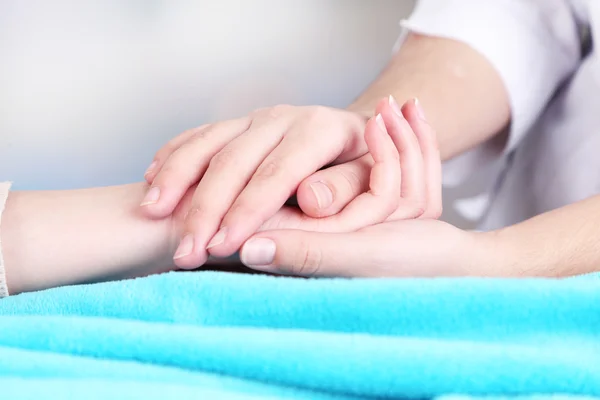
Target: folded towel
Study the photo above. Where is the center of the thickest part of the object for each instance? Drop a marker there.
(231, 336)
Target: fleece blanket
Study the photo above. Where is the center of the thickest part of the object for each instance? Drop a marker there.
(231, 336)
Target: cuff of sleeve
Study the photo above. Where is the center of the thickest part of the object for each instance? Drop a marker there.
(4, 189)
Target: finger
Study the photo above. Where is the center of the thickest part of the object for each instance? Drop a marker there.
(163, 154)
(413, 191)
(426, 136)
(328, 191)
(227, 174)
(368, 208)
(305, 253)
(383, 197)
(278, 177)
(187, 164)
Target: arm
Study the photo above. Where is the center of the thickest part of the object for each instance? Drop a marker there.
(474, 65)
(55, 238)
(463, 94)
(559, 243)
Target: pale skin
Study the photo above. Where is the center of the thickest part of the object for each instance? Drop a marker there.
(64, 237)
(281, 149)
(57, 238)
(278, 150)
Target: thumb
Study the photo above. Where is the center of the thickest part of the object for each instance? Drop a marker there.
(328, 191)
(305, 253)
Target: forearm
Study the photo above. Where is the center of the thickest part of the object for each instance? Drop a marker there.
(55, 238)
(559, 243)
(461, 92)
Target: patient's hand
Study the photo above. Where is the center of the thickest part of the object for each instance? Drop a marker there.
(243, 187)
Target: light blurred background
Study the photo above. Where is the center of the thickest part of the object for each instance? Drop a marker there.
(89, 90)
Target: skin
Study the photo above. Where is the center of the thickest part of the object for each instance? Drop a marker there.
(420, 197)
(430, 248)
(56, 238)
(100, 234)
(281, 150)
(466, 104)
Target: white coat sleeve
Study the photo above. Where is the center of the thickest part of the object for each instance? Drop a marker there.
(533, 44)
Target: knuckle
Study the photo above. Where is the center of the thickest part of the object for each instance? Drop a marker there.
(392, 204)
(168, 170)
(278, 111)
(199, 135)
(351, 180)
(222, 159)
(271, 113)
(433, 212)
(193, 215)
(164, 153)
(270, 169)
(240, 209)
(318, 114)
(307, 260)
(420, 210)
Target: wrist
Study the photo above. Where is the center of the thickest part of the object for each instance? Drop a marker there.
(495, 254)
(89, 234)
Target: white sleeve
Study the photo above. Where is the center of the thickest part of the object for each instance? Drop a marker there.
(533, 44)
(4, 188)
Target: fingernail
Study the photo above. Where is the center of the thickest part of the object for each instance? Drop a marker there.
(151, 197)
(394, 105)
(322, 193)
(379, 120)
(259, 252)
(185, 247)
(218, 238)
(150, 168)
(419, 109)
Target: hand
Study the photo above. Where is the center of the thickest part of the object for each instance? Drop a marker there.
(230, 196)
(424, 247)
(269, 151)
(409, 248)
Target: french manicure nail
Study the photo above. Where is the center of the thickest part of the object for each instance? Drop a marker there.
(258, 252)
(185, 247)
(380, 123)
(419, 109)
(150, 168)
(151, 197)
(322, 193)
(218, 238)
(395, 106)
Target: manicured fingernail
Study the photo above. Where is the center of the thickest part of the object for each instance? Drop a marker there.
(151, 197)
(150, 168)
(185, 247)
(380, 123)
(394, 105)
(419, 109)
(259, 252)
(322, 193)
(218, 238)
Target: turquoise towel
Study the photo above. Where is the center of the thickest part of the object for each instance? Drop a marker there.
(226, 336)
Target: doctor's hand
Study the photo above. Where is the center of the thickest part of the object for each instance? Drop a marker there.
(248, 168)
